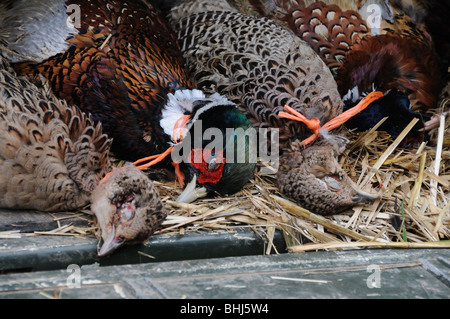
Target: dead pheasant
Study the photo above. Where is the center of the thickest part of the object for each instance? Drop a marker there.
(369, 45)
(123, 65)
(54, 158)
(263, 67)
(395, 57)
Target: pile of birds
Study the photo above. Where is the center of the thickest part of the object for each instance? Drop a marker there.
(95, 96)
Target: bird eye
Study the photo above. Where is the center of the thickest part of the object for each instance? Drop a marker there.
(119, 239)
(127, 212)
(332, 183)
(213, 163)
(210, 170)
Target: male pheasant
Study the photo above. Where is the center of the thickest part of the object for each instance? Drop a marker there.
(53, 157)
(368, 45)
(263, 67)
(123, 65)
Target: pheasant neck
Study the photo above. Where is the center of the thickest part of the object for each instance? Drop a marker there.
(180, 125)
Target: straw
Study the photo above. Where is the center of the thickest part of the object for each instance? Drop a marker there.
(437, 162)
(340, 245)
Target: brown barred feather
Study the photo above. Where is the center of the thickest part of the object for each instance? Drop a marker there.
(328, 30)
(262, 67)
(53, 157)
(120, 68)
(259, 73)
(335, 29)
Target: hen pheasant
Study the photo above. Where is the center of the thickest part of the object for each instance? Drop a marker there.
(123, 65)
(54, 158)
(368, 45)
(263, 67)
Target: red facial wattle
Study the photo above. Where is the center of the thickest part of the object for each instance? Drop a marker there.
(197, 159)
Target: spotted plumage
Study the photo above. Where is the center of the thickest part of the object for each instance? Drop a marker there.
(391, 53)
(123, 65)
(53, 157)
(120, 66)
(261, 67)
(259, 71)
(368, 45)
(395, 53)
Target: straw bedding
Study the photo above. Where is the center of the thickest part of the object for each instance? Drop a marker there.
(408, 214)
(413, 209)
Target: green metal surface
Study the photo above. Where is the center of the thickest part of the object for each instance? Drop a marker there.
(340, 274)
(198, 265)
(31, 221)
(55, 252)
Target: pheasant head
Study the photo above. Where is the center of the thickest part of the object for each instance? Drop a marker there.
(127, 207)
(214, 154)
(388, 62)
(313, 177)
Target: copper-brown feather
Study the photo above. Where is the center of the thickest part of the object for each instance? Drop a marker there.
(392, 62)
(119, 68)
(328, 30)
(361, 58)
(335, 29)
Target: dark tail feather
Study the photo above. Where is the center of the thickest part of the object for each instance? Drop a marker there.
(164, 6)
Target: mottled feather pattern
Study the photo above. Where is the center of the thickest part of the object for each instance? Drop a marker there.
(31, 41)
(328, 30)
(400, 55)
(262, 67)
(53, 157)
(43, 137)
(405, 26)
(259, 71)
(307, 176)
(120, 68)
(331, 29)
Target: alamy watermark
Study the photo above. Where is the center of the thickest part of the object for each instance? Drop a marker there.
(374, 19)
(74, 279)
(74, 18)
(374, 279)
(239, 145)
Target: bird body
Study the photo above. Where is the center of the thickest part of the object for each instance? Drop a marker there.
(263, 67)
(53, 157)
(36, 31)
(119, 67)
(369, 45)
(387, 62)
(363, 37)
(259, 71)
(124, 66)
(395, 56)
(41, 135)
